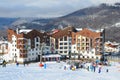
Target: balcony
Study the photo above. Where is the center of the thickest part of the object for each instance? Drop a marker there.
(22, 55)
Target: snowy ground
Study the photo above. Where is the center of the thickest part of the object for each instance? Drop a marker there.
(55, 71)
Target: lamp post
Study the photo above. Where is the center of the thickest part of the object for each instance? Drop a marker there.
(2, 52)
(41, 48)
(69, 54)
(15, 57)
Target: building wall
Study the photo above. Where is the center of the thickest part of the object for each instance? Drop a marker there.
(64, 45)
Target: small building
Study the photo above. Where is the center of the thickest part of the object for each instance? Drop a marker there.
(4, 50)
(111, 47)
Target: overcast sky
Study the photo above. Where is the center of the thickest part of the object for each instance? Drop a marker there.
(44, 8)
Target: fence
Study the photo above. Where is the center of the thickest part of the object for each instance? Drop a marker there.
(113, 58)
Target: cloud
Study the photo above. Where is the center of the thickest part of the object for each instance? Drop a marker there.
(44, 8)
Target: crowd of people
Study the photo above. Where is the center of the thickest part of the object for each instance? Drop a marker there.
(89, 66)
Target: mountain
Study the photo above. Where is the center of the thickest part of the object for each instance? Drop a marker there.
(4, 22)
(97, 17)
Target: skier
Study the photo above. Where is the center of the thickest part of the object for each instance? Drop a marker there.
(64, 67)
(107, 70)
(91, 67)
(4, 63)
(45, 66)
(99, 70)
(100, 67)
(17, 64)
(94, 67)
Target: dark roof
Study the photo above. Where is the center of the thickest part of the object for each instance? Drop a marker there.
(65, 32)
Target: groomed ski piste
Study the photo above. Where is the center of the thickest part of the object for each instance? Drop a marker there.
(55, 71)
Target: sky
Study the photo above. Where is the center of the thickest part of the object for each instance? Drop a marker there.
(45, 8)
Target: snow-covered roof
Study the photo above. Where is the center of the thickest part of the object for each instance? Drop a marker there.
(3, 42)
(78, 29)
(25, 30)
(52, 55)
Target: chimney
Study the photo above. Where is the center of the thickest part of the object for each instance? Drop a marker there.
(17, 30)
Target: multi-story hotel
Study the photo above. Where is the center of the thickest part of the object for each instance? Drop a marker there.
(62, 41)
(88, 43)
(25, 45)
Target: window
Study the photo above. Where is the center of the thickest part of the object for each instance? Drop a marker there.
(69, 43)
(78, 44)
(82, 39)
(36, 49)
(83, 57)
(61, 43)
(37, 39)
(69, 47)
(96, 57)
(32, 53)
(78, 40)
(69, 39)
(65, 51)
(65, 38)
(65, 43)
(61, 47)
(61, 39)
(37, 45)
(61, 52)
(65, 47)
(88, 57)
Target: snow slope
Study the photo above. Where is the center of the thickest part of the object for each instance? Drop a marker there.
(55, 71)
